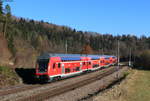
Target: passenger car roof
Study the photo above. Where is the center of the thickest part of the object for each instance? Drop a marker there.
(71, 56)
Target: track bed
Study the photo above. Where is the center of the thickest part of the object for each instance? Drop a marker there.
(46, 91)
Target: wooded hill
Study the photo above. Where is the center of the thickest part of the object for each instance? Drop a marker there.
(27, 38)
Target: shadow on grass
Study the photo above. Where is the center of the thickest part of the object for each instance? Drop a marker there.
(141, 68)
(27, 75)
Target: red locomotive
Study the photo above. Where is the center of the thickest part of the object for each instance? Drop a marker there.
(56, 66)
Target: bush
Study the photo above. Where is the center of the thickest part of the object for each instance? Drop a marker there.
(8, 76)
(143, 61)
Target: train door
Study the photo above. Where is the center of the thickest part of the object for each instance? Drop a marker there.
(110, 60)
(63, 68)
(84, 65)
(59, 68)
(81, 65)
(89, 65)
(102, 62)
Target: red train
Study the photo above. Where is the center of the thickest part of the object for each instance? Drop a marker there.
(56, 66)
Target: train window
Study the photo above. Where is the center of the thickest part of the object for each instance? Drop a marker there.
(54, 65)
(102, 61)
(59, 64)
(77, 68)
(43, 65)
(67, 70)
(95, 65)
(89, 63)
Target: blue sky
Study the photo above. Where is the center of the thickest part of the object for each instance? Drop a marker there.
(102, 16)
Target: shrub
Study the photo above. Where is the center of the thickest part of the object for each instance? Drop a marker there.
(8, 76)
(143, 61)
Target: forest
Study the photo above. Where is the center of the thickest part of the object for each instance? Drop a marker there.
(47, 37)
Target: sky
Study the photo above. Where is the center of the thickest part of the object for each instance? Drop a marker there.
(116, 17)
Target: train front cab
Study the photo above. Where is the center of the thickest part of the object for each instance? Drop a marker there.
(55, 68)
(47, 68)
(42, 68)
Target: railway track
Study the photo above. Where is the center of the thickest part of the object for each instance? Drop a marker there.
(53, 91)
(46, 94)
(19, 88)
(15, 89)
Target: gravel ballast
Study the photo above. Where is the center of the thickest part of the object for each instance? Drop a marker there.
(84, 93)
(74, 95)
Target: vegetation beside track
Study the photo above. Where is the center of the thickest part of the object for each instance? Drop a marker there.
(143, 61)
(136, 87)
(139, 87)
(8, 76)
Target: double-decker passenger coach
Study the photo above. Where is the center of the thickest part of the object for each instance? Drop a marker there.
(56, 66)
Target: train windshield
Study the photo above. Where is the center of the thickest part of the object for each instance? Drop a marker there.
(43, 65)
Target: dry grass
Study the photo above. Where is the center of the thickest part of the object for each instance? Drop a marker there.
(8, 76)
(136, 87)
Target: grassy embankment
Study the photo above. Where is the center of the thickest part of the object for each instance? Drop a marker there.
(135, 87)
(138, 88)
(8, 76)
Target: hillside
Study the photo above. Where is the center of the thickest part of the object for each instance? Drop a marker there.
(28, 38)
(22, 40)
(5, 54)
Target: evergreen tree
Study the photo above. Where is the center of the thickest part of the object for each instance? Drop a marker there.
(1, 8)
(8, 17)
(8, 11)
